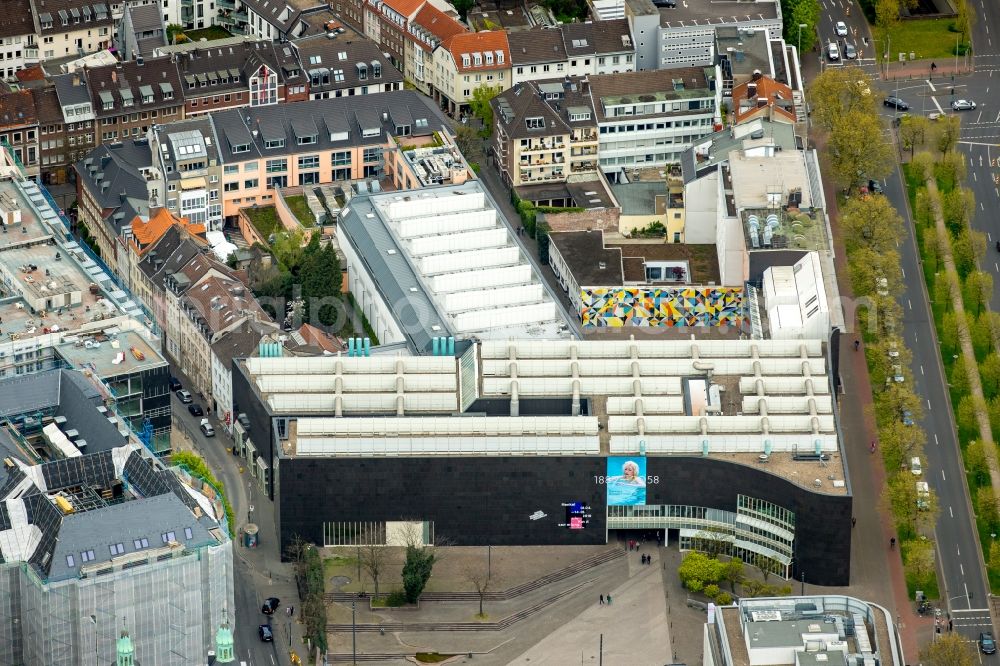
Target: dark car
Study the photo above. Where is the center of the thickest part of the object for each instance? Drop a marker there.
(874, 187)
(185, 397)
(195, 410)
(270, 605)
(986, 643)
(266, 634)
(175, 384)
(896, 103)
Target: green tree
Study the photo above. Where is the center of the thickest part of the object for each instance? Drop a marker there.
(976, 462)
(886, 16)
(868, 267)
(321, 283)
(913, 132)
(480, 105)
(967, 249)
(462, 7)
(958, 207)
(932, 248)
(922, 166)
(981, 334)
(417, 571)
(466, 140)
(949, 327)
(965, 16)
(872, 223)
(919, 561)
(993, 412)
(801, 12)
(966, 417)
(952, 168)
(901, 496)
(857, 152)
(958, 376)
(899, 442)
(978, 289)
(986, 506)
(948, 129)
(733, 572)
(948, 649)
(840, 91)
(994, 561)
(701, 568)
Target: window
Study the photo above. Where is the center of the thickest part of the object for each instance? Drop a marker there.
(535, 123)
(372, 154)
(141, 543)
(117, 549)
(241, 148)
(274, 143)
(70, 562)
(231, 168)
(251, 184)
(277, 181)
(338, 76)
(168, 537)
(276, 166)
(306, 140)
(309, 162)
(188, 533)
(87, 556)
(466, 61)
(231, 187)
(249, 166)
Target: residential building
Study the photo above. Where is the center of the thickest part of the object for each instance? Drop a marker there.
(130, 96)
(248, 73)
(277, 19)
(52, 149)
(78, 112)
(544, 132)
(204, 303)
(314, 142)
(763, 97)
(682, 34)
(186, 158)
(72, 27)
(469, 60)
(429, 29)
(344, 66)
(19, 129)
(802, 630)
(387, 24)
(648, 119)
(140, 31)
(89, 538)
(18, 37)
(240, 342)
(114, 184)
(150, 265)
(140, 238)
(531, 396)
(572, 49)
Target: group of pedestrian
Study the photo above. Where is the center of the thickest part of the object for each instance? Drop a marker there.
(290, 611)
(633, 545)
(605, 598)
(647, 559)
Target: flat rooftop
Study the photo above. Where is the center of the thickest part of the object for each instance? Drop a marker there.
(111, 353)
(447, 253)
(767, 403)
(717, 12)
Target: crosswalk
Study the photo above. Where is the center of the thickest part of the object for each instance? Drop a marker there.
(977, 619)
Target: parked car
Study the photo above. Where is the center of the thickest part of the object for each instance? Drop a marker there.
(266, 635)
(195, 410)
(206, 428)
(841, 28)
(874, 187)
(849, 51)
(833, 51)
(986, 643)
(270, 605)
(185, 397)
(907, 417)
(963, 105)
(896, 103)
(175, 384)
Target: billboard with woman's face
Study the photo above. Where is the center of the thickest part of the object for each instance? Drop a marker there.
(626, 480)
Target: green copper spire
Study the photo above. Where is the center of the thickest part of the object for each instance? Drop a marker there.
(224, 649)
(126, 653)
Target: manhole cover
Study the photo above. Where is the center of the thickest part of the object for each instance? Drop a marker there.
(338, 582)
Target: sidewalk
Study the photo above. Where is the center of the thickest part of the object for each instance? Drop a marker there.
(876, 571)
(945, 72)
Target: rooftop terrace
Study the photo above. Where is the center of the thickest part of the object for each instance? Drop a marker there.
(110, 354)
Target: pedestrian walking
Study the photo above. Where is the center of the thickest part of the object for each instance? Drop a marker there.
(892, 543)
(602, 599)
(854, 521)
(857, 344)
(873, 446)
(291, 611)
(609, 599)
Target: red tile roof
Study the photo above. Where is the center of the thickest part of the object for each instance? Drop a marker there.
(468, 43)
(771, 97)
(404, 7)
(436, 22)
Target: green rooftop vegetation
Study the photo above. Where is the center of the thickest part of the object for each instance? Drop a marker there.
(265, 220)
(210, 33)
(300, 209)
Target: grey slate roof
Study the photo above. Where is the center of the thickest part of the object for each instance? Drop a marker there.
(145, 17)
(237, 343)
(232, 65)
(123, 79)
(318, 53)
(528, 100)
(536, 46)
(393, 275)
(118, 165)
(327, 114)
(71, 94)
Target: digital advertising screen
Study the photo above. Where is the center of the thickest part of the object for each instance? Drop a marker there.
(626, 480)
(577, 515)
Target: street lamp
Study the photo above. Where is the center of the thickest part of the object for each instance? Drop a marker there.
(97, 658)
(802, 592)
(801, 25)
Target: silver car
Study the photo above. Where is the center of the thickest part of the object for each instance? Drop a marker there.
(841, 29)
(849, 51)
(963, 105)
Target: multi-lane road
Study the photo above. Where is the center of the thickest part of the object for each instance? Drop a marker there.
(963, 585)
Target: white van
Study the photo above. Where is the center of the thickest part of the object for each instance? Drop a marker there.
(923, 496)
(915, 466)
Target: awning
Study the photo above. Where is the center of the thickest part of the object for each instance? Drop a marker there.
(193, 184)
(146, 92)
(166, 88)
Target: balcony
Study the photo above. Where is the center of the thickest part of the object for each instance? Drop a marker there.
(241, 16)
(31, 53)
(539, 147)
(583, 152)
(582, 138)
(583, 167)
(225, 4)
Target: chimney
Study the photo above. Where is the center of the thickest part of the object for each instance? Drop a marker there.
(751, 90)
(756, 75)
(76, 80)
(114, 76)
(761, 102)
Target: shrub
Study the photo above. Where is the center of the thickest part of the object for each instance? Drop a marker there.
(396, 598)
(723, 598)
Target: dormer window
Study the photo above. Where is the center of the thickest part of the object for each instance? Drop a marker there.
(489, 58)
(535, 123)
(499, 57)
(477, 59)
(273, 143)
(376, 69)
(362, 71)
(466, 61)
(306, 140)
(241, 148)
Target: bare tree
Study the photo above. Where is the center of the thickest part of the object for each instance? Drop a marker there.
(295, 551)
(763, 564)
(374, 559)
(480, 580)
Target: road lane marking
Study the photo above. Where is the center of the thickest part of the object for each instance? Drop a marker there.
(975, 178)
(910, 303)
(942, 476)
(928, 404)
(933, 89)
(936, 442)
(979, 117)
(961, 569)
(903, 271)
(921, 370)
(958, 550)
(941, 111)
(951, 513)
